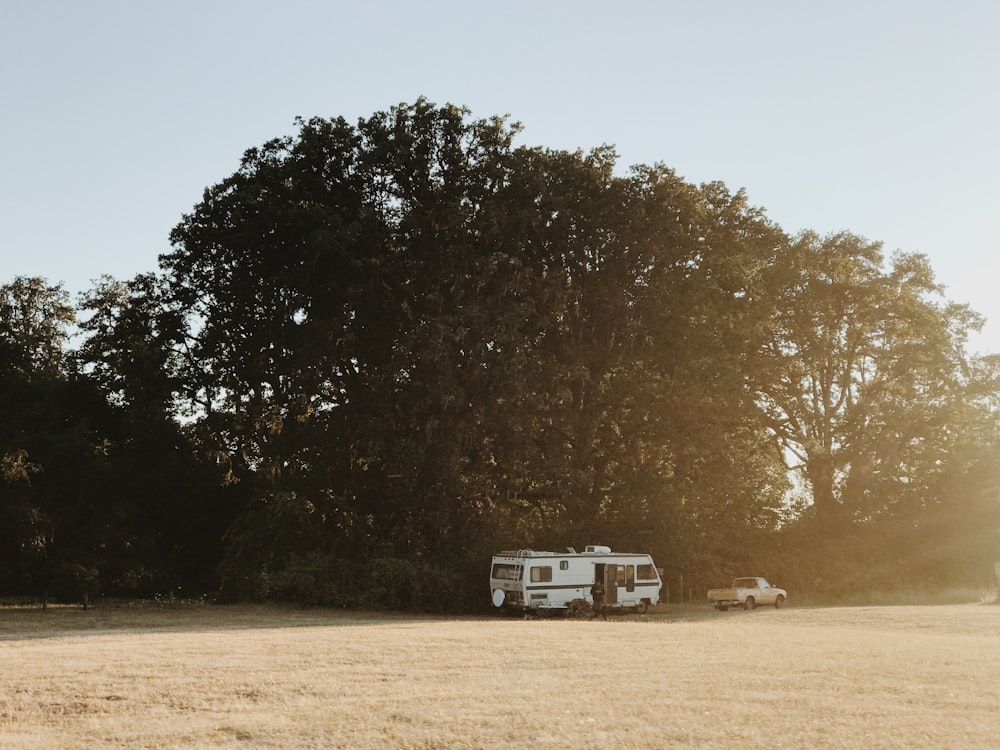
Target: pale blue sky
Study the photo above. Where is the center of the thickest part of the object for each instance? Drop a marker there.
(877, 117)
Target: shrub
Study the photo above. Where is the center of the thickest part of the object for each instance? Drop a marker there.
(381, 583)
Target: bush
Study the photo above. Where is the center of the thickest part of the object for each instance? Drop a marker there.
(382, 583)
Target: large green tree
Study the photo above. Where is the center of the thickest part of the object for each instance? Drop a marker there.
(869, 378)
(343, 292)
(410, 335)
(164, 506)
(630, 430)
(47, 448)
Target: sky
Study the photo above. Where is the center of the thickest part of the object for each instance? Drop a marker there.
(881, 118)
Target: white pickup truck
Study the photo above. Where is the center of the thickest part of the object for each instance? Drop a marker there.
(747, 593)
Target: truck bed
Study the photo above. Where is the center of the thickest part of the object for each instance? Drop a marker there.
(722, 594)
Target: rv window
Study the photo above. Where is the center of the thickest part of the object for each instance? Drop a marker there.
(564, 565)
(507, 572)
(630, 578)
(645, 573)
(541, 574)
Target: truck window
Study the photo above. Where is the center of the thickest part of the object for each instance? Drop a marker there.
(507, 572)
(645, 573)
(541, 574)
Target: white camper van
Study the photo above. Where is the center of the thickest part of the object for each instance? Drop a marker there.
(530, 580)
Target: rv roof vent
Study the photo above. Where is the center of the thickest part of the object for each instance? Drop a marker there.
(598, 549)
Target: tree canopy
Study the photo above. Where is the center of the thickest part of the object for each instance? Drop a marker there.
(380, 351)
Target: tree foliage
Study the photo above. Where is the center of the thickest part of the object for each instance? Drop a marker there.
(409, 329)
(868, 373)
(379, 351)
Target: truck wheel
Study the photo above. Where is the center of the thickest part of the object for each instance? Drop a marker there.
(750, 603)
(779, 601)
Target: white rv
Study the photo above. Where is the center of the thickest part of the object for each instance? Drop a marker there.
(530, 580)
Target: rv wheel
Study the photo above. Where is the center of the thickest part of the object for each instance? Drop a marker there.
(641, 608)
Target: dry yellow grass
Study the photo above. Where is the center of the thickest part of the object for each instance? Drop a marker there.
(220, 677)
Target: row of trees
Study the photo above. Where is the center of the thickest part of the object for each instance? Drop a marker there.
(379, 352)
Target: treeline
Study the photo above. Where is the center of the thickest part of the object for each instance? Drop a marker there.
(378, 353)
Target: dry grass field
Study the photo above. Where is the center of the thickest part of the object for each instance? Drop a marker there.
(250, 677)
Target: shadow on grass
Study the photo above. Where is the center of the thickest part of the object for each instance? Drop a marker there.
(120, 618)
(23, 622)
(26, 621)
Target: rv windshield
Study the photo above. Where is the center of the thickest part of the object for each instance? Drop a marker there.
(507, 572)
(645, 572)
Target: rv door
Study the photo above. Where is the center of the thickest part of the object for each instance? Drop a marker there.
(612, 574)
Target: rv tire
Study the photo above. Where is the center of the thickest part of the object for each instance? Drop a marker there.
(641, 608)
